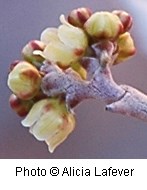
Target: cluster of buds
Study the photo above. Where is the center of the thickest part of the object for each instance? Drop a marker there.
(67, 44)
(49, 118)
(114, 27)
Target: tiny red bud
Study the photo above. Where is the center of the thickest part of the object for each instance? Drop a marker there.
(13, 64)
(78, 17)
(125, 18)
(21, 107)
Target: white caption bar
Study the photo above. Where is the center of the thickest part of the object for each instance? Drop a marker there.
(71, 174)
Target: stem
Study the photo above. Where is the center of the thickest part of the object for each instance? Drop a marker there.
(134, 103)
(99, 84)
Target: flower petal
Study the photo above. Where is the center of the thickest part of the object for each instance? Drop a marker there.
(73, 37)
(65, 129)
(59, 53)
(47, 125)
(49, 35)
(35, 113)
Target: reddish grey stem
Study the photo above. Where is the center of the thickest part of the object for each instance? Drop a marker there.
(134, 103)
(99, 84)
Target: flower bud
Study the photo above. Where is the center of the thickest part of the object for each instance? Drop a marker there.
(29, 48)
(24, 80)
(21, 107)
(125, 18)
(13, 64)
(50, 121)
(78, 17)
(49, 35)
(126, 47)
(103, 25)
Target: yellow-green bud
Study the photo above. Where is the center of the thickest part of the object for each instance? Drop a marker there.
(103, 25)
(126, 47)
(24, 80)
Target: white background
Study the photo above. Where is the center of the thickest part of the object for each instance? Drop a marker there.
(10, 181)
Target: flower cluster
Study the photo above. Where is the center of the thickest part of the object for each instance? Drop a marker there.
(50, 119)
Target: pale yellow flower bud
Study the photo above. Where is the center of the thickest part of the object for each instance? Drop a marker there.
(78, 17)
(29, 48)
(103, 25)
(24, 80)
(49, 35)
(126, 47)
(50, 121)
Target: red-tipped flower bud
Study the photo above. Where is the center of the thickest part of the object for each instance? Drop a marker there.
(103, 25)
(24, 80)
(78, 17)
(126, 47)
(13, 64)
(29, 48)
(21, 107)
(125, 18)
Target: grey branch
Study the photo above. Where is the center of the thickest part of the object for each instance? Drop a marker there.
(99, 85)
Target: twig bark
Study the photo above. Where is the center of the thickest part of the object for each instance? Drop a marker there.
(99, 84)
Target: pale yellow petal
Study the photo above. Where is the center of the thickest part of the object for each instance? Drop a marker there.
(60, 53)
(49, 35)
(73, 37)
(35, 113)
(68, 126)
(47, 125)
